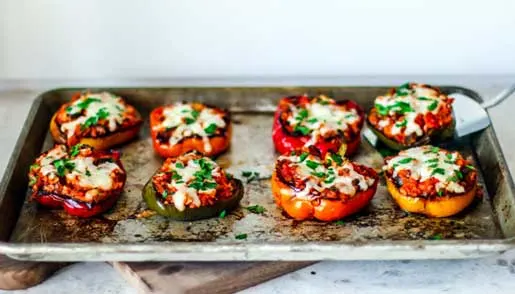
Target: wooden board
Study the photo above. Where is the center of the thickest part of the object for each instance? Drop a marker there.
(15, 275)
(201, 277)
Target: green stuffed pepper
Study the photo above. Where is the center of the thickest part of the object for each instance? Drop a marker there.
(412, 115)
(192, 187)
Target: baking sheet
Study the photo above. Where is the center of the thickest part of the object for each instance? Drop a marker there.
(272, 235)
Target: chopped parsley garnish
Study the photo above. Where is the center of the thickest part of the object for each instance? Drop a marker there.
(449, 156)
(350, 115)
(222, 214)
(74, 151)
(61, 165)
(424, 98)
(303, 156)
(202, 177)
(201, 186)
(82, 105)
(434, 165)
(440, 193)
(401, 107)
(438, 170)
(431, 160)
(88, 173)
(432, 106)
(436, 237)
(176, 176)
(34, 166)
(102, 113)
(241, 236)
(189, 120)
(470, 167)
(257, 209)
(312, 164)
(195, 114)
(303, 113)
(452, 179)
(382, 110)
(339, 222)
(318, 174)
(402, 124)
(435, 149)
(33, 181)
(323, 101)
(251, 176)
(405, 160)
(210, 129)
(312, 120)
(301, 129)
(179, 165)
(336, 158)
(165, 194)
(459, 174)
(329, 180)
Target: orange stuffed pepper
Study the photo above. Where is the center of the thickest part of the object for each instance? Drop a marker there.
(431, 181)
(100, 120)
(307, 186)
(183, 127)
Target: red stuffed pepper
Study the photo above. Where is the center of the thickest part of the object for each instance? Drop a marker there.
(302, 121)
(327, 189)
(83, 181)
(183, 127)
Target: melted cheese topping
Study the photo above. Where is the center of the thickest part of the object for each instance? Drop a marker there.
(185, 176)
(319, 177)
(187, 122)
(322, 118)
(410, 101)
(88, 175)
(97, 105)
(93, 176)
(428, 162)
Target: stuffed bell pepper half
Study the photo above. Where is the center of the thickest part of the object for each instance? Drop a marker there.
(83, 181)
(192, 187)
(307, 186)
(183, 127)
(100, 120)
(431, 181)
(302, 121)
(412, 115)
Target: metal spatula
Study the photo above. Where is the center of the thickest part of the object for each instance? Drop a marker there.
(469, 114)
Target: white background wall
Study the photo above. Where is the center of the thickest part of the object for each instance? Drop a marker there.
(214, 38)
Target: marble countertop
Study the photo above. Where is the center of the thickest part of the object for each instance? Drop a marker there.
(488, 275)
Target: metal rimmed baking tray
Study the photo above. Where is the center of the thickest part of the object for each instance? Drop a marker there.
(381, 231)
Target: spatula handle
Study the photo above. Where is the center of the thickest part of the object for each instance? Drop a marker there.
(499, 98)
